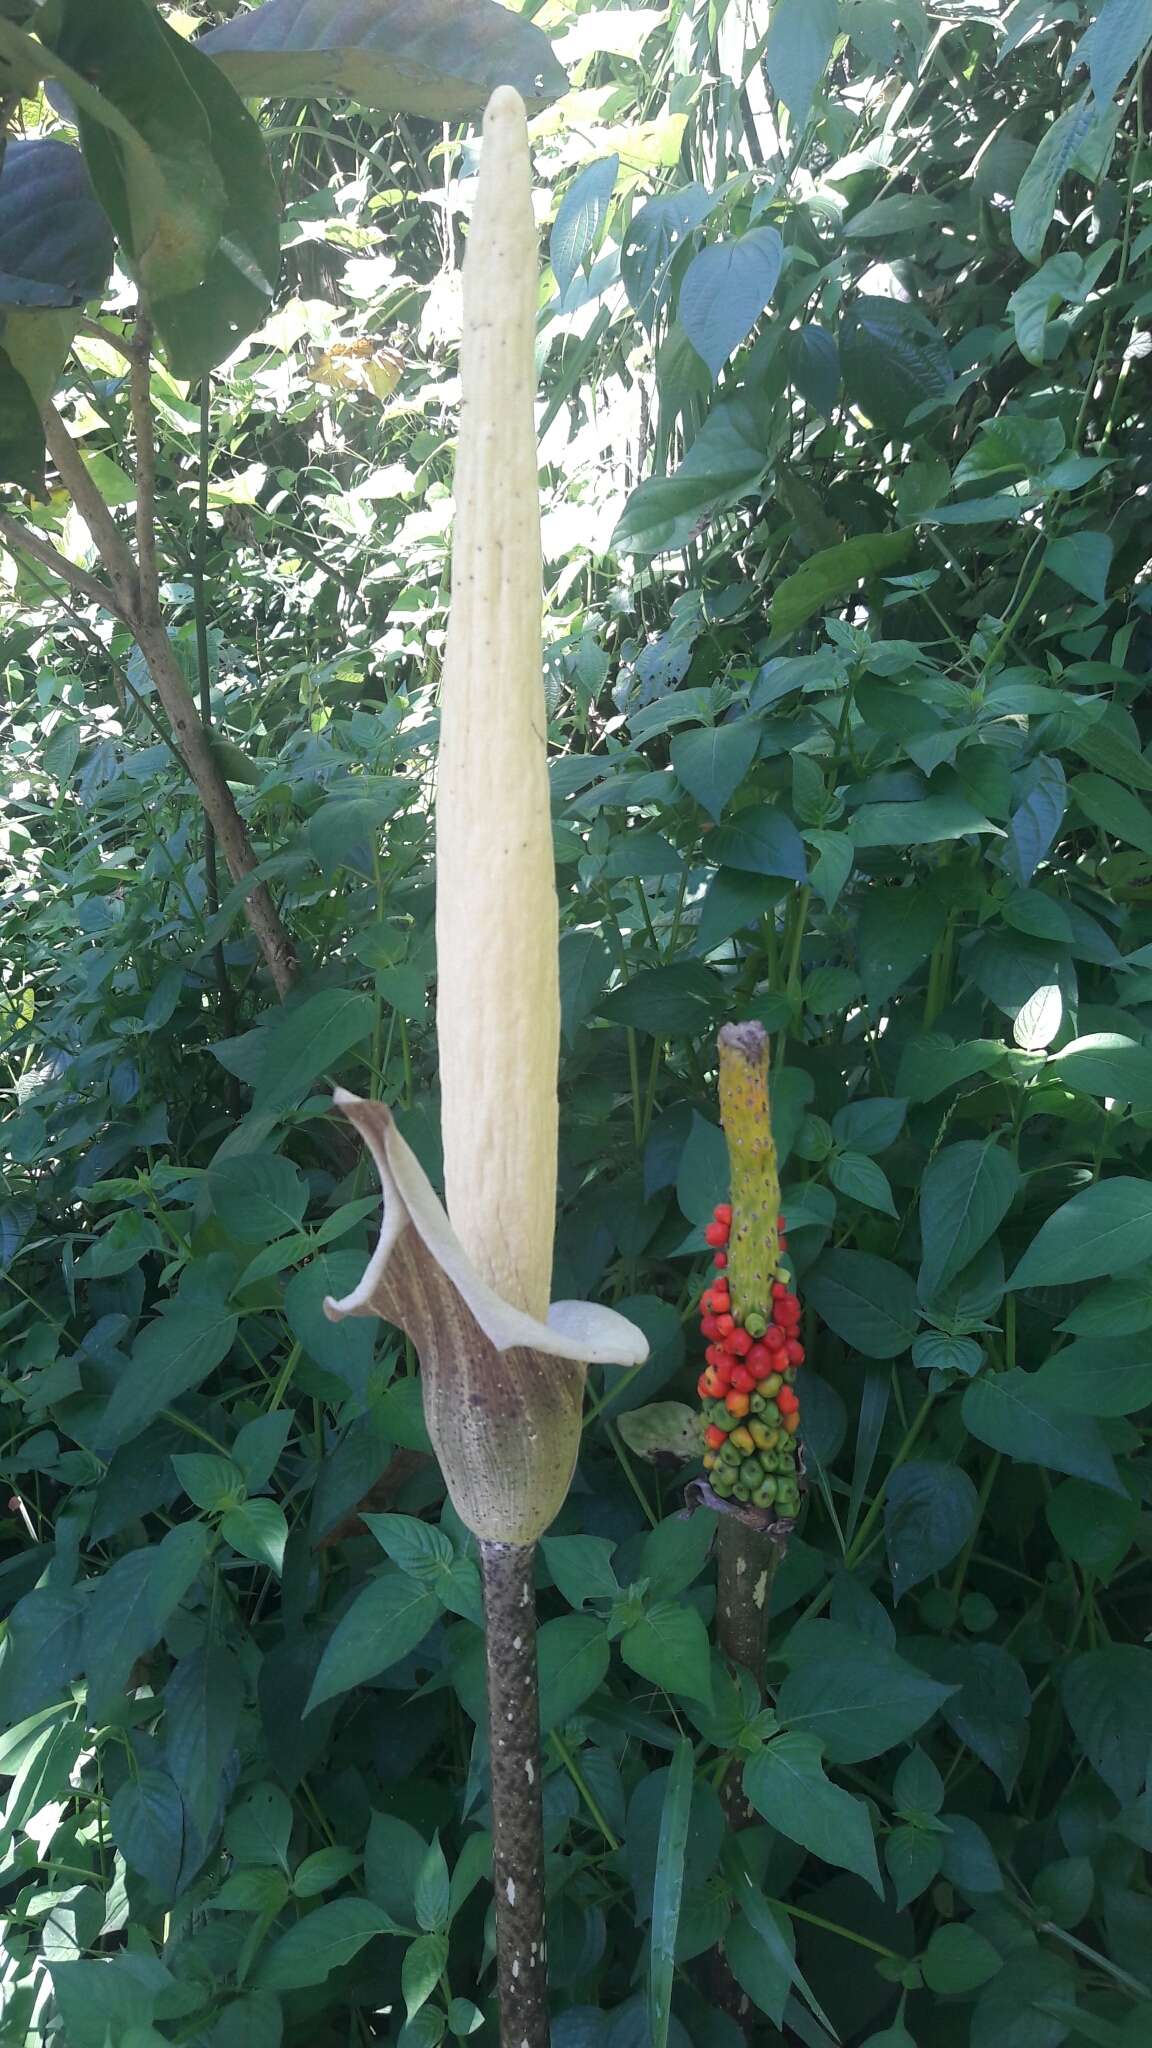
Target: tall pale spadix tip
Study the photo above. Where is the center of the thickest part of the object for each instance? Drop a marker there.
(498, 1007)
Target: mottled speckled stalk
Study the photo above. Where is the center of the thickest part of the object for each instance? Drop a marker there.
(514, 1753)
(754, 1246)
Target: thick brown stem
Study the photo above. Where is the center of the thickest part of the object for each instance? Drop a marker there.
(746, 1564)
(136, 601)
(517, 1819)
(24, 540)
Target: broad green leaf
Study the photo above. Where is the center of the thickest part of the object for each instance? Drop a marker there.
(1111, 44)
(674, 1555)
(1039, 188)
(1106, 1063)
(573, 1656)
(394, 1856)
(1097, 1376)
(321, 1942)
(1106, 1228)
(581, 1567)
(725, 289)
(965, 1193)
(1115, 809)
(202, 1703)
(175, 1353)
(257, 1196)
(146, 1817)
(667, 1002)
(930, 1511)
(285, 1057)
(727, 459)
(56, 247)
(585, 968)
(129, 1607)
(258, 1829)
(922, 822)
(855, 1175)
(1121, 1308)
(814, 361)
(440, 62)
(1082, 559)
(892, 360)
(712, 761)
(855, 1695)
(421, 1970)
(1108, 1699)
(869, 1302)
(654, 238)
(387, 1619)
(785, 1782)
(762, 841)
(989, 1707)
(211, 1481)
(830, 574)
(800, 38)
(670, 1647)
(258, 1530)
(1094, 1528)
(912, 1858)
(958, 1959)
(580, 217)
(1011, 1412)
(870, 1125)
(43, 1651)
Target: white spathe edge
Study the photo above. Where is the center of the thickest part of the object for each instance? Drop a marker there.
(582, 1331)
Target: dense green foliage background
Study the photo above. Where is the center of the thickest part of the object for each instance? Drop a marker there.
(845, 435)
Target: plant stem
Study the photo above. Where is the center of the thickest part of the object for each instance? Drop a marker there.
(747, 1561)
(517, 1814)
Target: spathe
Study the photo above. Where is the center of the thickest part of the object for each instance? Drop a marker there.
(503, 1393)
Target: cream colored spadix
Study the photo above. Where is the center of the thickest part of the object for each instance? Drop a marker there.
(498, 1007)
(502, 1374)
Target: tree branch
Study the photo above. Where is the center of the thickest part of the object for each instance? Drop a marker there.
(140, 383)
(20, 537)
(110, 543)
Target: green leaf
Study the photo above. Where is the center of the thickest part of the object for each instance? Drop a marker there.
(1011, 1412)
(930, 1511)
(922, 822)
(431, 1892)
(869, 1302)
(202, 1702)
(573, 1656)
(674, 1554)
(760, 1969)
(855, 1175)
(990, 1703)
(210, 1481)
(1095, 1376)
(441, 63)
(146, 1817)
(965, 1193)
(668, 1890)
(761, 841)
(1108, 1700)
(580, 217)
(799, 43)
(320, 1871)
(814, 362)
(893, 361)
(394, 1856)
(654, 238)
(1114, 809)
(870, 1125)
(387, 1619)
(703, 1174)
(855, 1695)
(712, 761)
(175, 1353)
(667, 1002)
(129, 1606)
(1111, 44)
(257, 1196)
(1082, 559)
(421, 1970)
(581, 1567)
(725, 289)
(785, 1782)
(669, 1645)
(727, 459)
(1106, 1228)
(958, 1959)
(832, 572)
(912, 1858)
(585, 968)
(298, 1045)
(1106, 1063)
(257, 1530)
(43, 1651)
(258, 1830)
(322, 1942)
(1095, 1529)
(1039, 188)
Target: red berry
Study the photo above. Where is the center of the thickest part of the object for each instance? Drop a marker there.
(786, 1401)
(779, 1290)
(773, 1338)
(740, 1342)
(720, 1259)
(714, 1437)
(725, 1325)
(706, 1302)
(704, 1385)
(795, 1354)
(723, 1212)
(714, 1354)
(720, 1299)
(759, 1359)
(708, 1328)
(716, 1233)
(742, 1380)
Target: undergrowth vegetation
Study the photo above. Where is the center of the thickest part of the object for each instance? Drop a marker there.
(845, 432)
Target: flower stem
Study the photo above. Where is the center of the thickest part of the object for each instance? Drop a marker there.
(517, 1817)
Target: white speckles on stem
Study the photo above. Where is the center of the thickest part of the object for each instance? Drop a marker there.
(529, 1773)
(510, 1891)
(760, 1589)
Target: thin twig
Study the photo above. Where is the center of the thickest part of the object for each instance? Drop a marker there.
(94, 510)
(141, 390)
(204, 666)
(517, 1814)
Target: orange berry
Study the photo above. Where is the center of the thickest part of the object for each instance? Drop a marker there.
(737, 1404)
(714, 1437)
(786, 1401)
(792, 1422)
